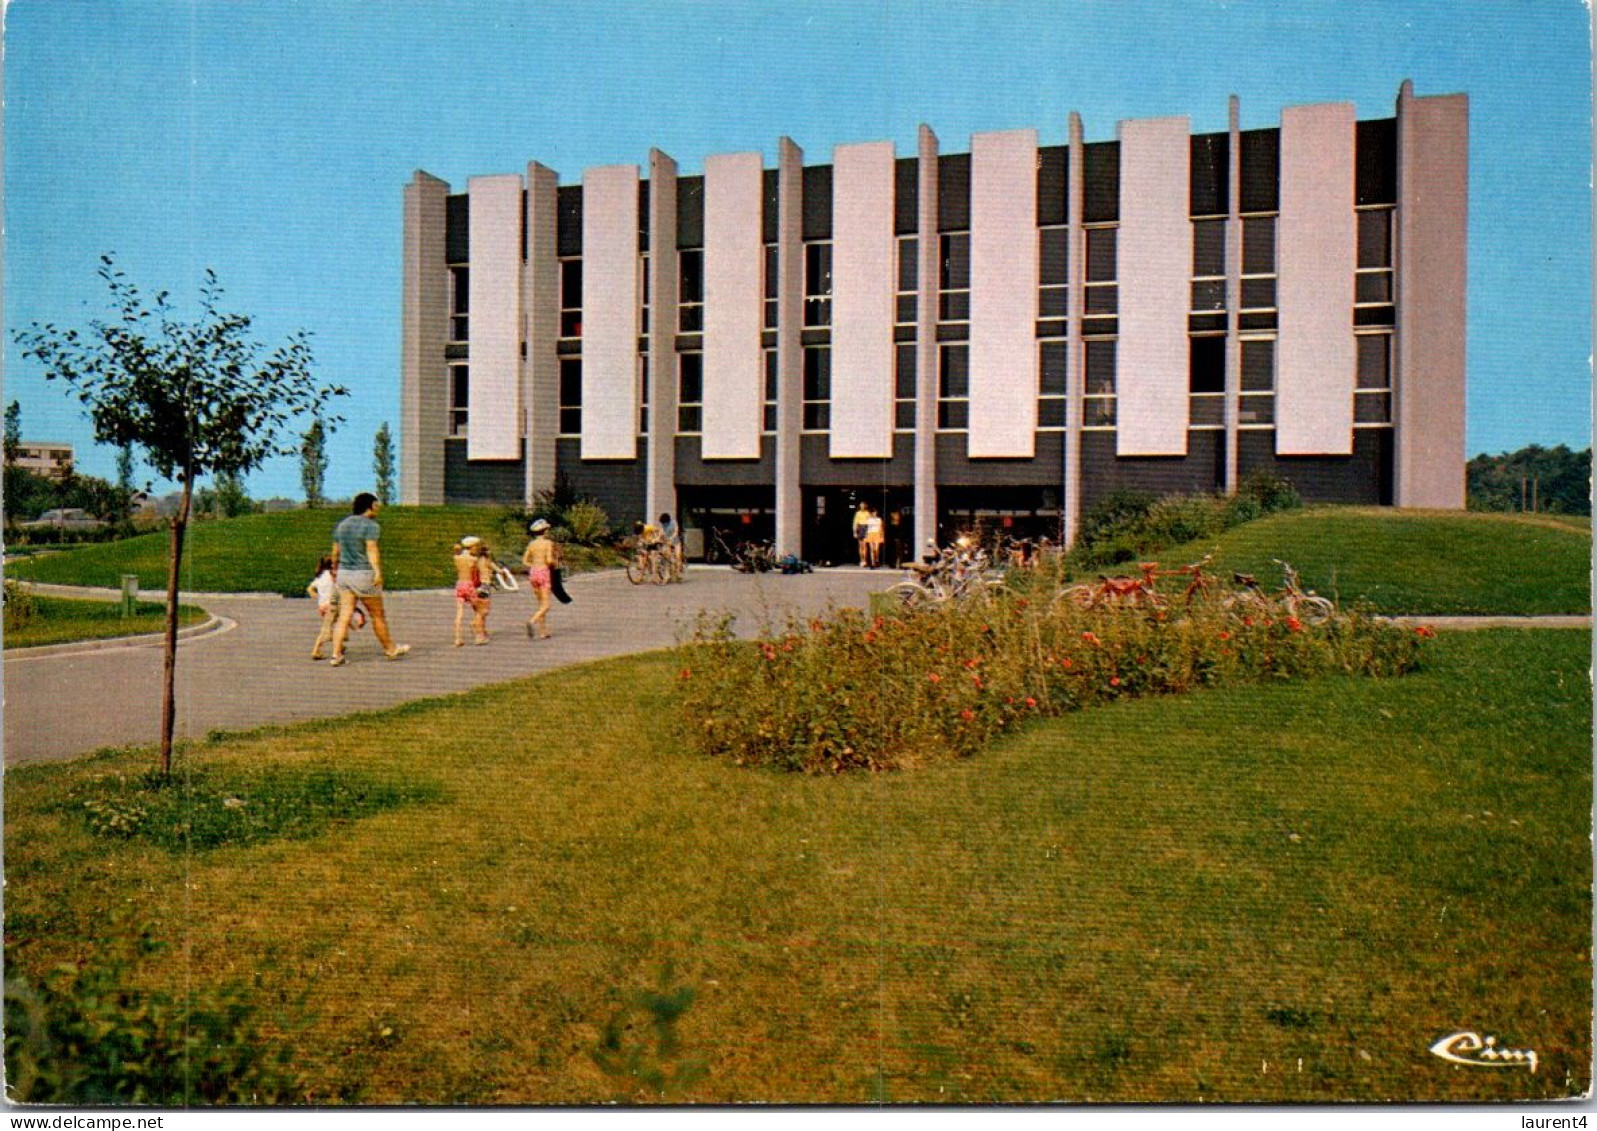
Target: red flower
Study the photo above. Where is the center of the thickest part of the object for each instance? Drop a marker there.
(967, 714)
(1294, 625)
(686, 674)
(1225, 636)
(1023, 603)
(1114, 681)
(878, 622)
(870, 638)
(1425, 631)
(1030, 702)
(976, 680)
(1089, 638)
(934, 677)
(770, 653)
(1248, 621)
(788, 647)
(1065, 663)
(972, 662)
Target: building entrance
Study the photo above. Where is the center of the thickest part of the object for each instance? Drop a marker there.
(829, 523)
(715, 519)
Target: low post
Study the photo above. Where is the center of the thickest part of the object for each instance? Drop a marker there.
(130, 594)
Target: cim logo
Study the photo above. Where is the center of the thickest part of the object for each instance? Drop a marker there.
(1482, 1052)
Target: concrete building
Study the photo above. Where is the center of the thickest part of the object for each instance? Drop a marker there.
(48, 458)
(1010, 332)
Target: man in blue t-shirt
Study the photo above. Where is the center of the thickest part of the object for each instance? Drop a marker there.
(359, 571)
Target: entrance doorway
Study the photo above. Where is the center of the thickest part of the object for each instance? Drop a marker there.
(715, 519)
(829, 523)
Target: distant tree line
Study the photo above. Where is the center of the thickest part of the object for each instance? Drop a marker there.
(1554, 480)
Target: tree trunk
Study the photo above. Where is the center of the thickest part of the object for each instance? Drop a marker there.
(169, 675)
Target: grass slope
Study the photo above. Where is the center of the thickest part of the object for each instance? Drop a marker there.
(1416, 562)
(1280, 894)
(59, 620)
(278, 552)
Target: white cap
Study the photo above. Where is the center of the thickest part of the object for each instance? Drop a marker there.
(470, 540)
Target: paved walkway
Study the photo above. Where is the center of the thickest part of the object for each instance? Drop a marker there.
(257, 670)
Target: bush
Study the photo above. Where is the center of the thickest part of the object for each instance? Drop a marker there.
(84, 1035)
(21, 606)
(588, 523)
(1270, 491)
(852, 692)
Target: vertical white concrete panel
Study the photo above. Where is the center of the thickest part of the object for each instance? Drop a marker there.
(610, 312)
(494, 395)
(1003, 294)
(1154, 268)
(1315, 258)
(734, 299)
(864, 282)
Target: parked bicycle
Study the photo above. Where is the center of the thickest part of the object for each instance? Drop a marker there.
(1117, 592)
(745, 557)
(1294, 600)
(955, 574)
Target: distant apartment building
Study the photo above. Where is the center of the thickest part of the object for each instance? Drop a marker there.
(1007, 333)
(44, 458)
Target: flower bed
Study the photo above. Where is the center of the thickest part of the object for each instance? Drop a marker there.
(851, 691)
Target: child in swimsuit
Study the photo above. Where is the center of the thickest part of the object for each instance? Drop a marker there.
(470, 592)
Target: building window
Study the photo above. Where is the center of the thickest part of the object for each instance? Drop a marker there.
(690, 312)
(953, 278)
(953, 387)
(1206, 381)
(1372, 285)
(1053, 272)
(571, 298)
(643, 294)
(773, 281)
(459, 398)
(904, 371)
(1258, 310)
(690, 393)
(907, 307)
(643, 394)
(1102, 291)
(1098, 400)
(571, 396)
(1052, 373)
(768, 405)
(1372, 395)
(1208, 265)
(1256, 405)
(818, 284)
(817, 388)
(459, 303)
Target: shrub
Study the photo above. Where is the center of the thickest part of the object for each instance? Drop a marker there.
(853, 692)
(588, 523)
(85, 1035)
(1270, 491)
(21, 606)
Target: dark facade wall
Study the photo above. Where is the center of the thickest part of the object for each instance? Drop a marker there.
(953, 192)
(616, 485)
(457, 228)
(1261, 170)
(1201, 469)
(643, 217)
(1053, 185)
(1100, 173)
(568, 233)
(1046, 468)
(906, 198)
(1363, 477)
(1211, 174)
(692, 470)
(817, 469)
(817, 202)
(480, 481)
(1375, 160)
(690, 212)
(770, 207)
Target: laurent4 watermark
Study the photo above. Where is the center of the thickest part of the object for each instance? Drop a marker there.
(1471, 1048)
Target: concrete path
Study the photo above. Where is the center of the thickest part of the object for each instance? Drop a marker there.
(258, 670)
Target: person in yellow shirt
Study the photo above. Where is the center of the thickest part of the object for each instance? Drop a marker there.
(862, 519)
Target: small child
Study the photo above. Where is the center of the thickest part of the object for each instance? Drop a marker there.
(324, 588)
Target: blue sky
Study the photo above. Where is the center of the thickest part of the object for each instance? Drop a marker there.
(270, 141)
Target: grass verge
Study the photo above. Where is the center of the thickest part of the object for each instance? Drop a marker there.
(1419, 562)
(277, 553)
(62, 620)
(1282, 893)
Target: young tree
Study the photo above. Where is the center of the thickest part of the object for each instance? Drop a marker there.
(13, 436)
(196, 397)
(231, 498)
(383, 464)
(313, 462)
(124, 468)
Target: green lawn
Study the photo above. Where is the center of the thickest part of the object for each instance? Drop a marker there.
(1423, 562)
(58, 620)
(278, 552)
(1278, 894)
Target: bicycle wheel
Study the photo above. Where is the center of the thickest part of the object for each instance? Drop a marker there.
(637, 571)
(1314, 609)
(677, 570)
(911, 595)
(659, 569)
(1081, 596)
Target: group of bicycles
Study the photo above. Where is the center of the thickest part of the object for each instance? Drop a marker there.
(964, 571)
(1247, 596)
